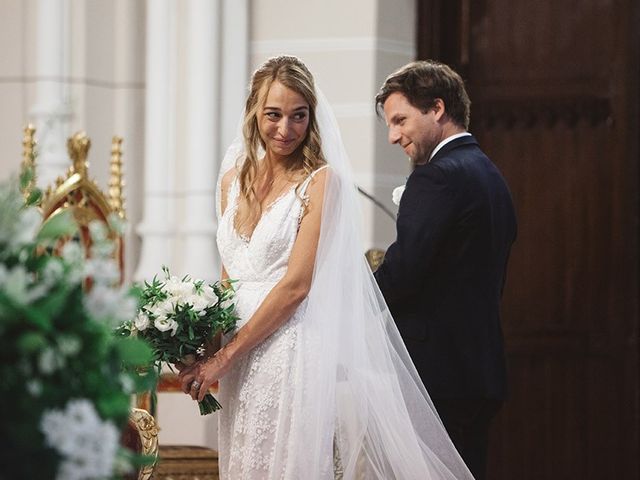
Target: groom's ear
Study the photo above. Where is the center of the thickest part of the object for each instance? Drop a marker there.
(439, 108)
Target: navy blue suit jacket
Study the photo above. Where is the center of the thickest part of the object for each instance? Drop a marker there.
(443, 276)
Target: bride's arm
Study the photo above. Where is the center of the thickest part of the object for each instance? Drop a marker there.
(187, 373)
(283, 300)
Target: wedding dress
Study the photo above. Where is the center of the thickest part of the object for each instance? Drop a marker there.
(332, 393)
(259, 411)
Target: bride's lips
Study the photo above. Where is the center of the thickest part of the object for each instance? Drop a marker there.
(283, 142)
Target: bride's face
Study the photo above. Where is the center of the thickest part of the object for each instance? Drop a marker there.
(283, 121)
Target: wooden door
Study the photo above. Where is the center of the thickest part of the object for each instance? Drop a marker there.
(554, 91)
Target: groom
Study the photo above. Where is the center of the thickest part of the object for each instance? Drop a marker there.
(443, 276)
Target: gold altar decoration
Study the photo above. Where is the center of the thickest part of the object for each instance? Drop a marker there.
(76, 192)
(144, 429)
(29, 158)
(374, 256)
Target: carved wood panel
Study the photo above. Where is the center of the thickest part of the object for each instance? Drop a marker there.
(554, 90)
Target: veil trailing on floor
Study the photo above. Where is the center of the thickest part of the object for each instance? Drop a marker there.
(360, 408)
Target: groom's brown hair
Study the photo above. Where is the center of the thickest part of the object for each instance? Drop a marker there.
(422, 82)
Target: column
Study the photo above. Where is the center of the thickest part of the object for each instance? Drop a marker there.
(235, 74)
(156, 227)
(51, 111)
(202, 142)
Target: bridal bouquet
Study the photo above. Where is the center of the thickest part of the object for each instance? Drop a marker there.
(179, 318)
(64, 395)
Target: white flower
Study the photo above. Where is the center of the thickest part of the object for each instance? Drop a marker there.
(98, 231)
(141, 322)
(34, 387)
(199, 303)
(209, 294)
(165, 324)
(162, 309)
(126, 308)
(72, 253)
(49, 361)
(397, 194)
(15, 284)
(88, 445)
(69, 345)
(102, 270)
(52, 271)
(29, 223)
(103, 249)
(178, 290)
(100, 301)
(128, 385)
(114, 305)
(117, 224)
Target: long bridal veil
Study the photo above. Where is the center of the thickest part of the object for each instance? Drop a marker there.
(360, 409)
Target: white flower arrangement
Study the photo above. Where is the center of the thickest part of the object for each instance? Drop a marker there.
(65, 393)
(86, 443)
(178, 317)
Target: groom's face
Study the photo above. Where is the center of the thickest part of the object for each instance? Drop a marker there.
(416, 132)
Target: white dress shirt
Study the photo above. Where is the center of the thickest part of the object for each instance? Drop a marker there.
(447, 140)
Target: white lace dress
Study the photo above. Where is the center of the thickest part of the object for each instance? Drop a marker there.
(258, 405)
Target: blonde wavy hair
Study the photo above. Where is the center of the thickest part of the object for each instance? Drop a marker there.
(293, 74)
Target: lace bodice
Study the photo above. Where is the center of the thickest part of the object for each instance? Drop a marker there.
(264, 256)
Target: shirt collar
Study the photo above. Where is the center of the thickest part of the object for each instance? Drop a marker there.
(447, 140)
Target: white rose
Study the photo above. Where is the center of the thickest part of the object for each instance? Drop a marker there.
(178, 289)
(165, 324)
(141, 322)
(209, 294)
(397, 194)
(162, 309)
(199, 303)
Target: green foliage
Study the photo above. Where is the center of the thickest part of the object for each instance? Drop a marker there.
(53, 348)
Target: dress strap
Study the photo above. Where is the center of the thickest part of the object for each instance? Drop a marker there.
(307, 181)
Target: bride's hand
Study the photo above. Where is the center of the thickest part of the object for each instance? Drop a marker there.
(208, 371)
(187, 375)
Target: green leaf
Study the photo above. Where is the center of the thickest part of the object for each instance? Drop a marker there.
(55, 302)
(34, 197)
(25, 177)
(133, 351)
(113, 405)
(59, 225)
(30, 342)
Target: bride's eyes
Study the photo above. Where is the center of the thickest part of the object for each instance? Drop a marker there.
(275, 116)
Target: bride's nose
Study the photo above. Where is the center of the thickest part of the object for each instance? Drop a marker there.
(283, 127)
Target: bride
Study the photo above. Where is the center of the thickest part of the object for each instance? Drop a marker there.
(315, 382)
